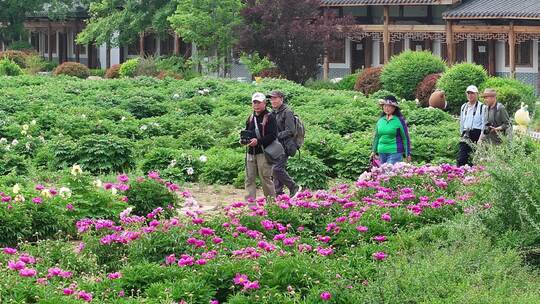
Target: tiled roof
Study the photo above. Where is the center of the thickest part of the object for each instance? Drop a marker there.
(385, 2)
(495, 9)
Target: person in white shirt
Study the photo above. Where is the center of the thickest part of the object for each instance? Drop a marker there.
(472, 122)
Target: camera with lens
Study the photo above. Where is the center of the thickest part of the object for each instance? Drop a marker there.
(488, 128)
(246, 136)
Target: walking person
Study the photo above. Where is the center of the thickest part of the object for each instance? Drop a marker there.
(263, 122)
(391, 141)
(472, 122)
(497, 118)
(286, 131)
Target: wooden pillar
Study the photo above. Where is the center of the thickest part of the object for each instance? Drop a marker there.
(176, 45)
(368, 49)
(77, 47)
(49, 37)
(386, 34)
(141, 45)
(512, 50)
(427, 44)
(491, 57)
(122, 49)
(450, 43)
(108, 55)
(326, 66)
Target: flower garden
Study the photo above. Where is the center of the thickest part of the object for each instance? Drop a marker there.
(93, 207)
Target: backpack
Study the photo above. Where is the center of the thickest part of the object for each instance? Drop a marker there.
(300, 134)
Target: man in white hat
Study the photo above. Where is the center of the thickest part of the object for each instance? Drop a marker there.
(263, 123)
(472, 122)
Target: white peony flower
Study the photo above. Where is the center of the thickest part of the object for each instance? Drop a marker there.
(76, 170)
(190, 171)
(143, 127)
(33, 122)
(25, 127)
(203, 158)
(14, 142)
(16, 188)
(64, 192)
(97, 183)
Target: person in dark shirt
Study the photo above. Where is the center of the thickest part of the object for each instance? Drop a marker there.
(256, 162)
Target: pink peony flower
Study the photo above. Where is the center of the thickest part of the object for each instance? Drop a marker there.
(201, 262)
(170, 259)
(252, 285)
(386, 217)
(68, 291)
(87, 297)
(241, 279)
(39, 187)
(28, 259)
(69, 207)
(16, 265)
(37, 200)
(380, 238)
(123, 178)
(153, 175)
(379, 256)
(362, 229)
(27, 272)
(114, 275)
(9, 250)
(325, 296)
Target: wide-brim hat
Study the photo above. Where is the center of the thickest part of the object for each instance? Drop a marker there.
(389, 102)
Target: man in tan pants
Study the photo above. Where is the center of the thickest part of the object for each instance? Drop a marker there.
(256, 162)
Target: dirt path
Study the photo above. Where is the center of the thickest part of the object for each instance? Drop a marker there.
(215, 196)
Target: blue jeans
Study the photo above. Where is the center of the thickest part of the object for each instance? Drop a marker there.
(390, 158)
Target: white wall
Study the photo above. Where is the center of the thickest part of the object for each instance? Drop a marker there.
(501, 55)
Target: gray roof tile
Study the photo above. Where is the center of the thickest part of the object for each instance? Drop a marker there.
(499, 9)
(380, 2)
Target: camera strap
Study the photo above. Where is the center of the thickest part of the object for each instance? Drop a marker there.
(474, 112)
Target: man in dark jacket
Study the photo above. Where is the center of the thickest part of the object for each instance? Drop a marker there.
(286, 129)
(256, 162)
(497, 118)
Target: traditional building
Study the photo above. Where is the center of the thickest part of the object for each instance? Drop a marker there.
(60, 36)
(501, 35)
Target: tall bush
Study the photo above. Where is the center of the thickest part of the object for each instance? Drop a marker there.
(456, 80)
(426, 87)
(405, 71)
(511, 92)
(369, 81)
(129, 68)
(72, 69)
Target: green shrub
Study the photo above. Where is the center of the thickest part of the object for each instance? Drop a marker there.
(144, 106)
(104, 153)
(405, 71)
(308, 171)
(147, 195)
(381, 94)
(9, 68)
(129, 68)
(348, 82)
(34, 64)
(255, 63)
(320, 85)
(21, 45)
(456, 80)
(74, 69)
(353, 157)
(223, 166)
(369, 81)
(97, 72)
(511, 93)
(147, 67)
(49, 66)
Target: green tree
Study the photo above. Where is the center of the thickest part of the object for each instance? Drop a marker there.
(120, 22)
(14, 12)
(209, 24)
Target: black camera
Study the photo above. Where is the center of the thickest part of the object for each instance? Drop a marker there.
(466, 134)
(246, 136)
(488, 128)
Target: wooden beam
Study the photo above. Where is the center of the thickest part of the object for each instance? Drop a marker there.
(399, 28)
(77, 47)
(480, 29)
(449, 43)
(512, 50)
(386, 34)
(326, 66)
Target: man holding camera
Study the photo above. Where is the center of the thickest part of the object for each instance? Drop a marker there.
(472, 122)
(286, 129)
(497, 121)
(264, 123)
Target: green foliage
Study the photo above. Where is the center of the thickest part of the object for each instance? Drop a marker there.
(348, 82)
(320, 85)
(97, 72)
(147, 66)
(456, 80)
(129, 68)
(223, 166)
(405, 71)
(308, 171)
(256, 63)
(104, 153)
(148, 194)
(511, 93)
(74, 69)
(19, 57)
(9, 68)
(512, 189)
